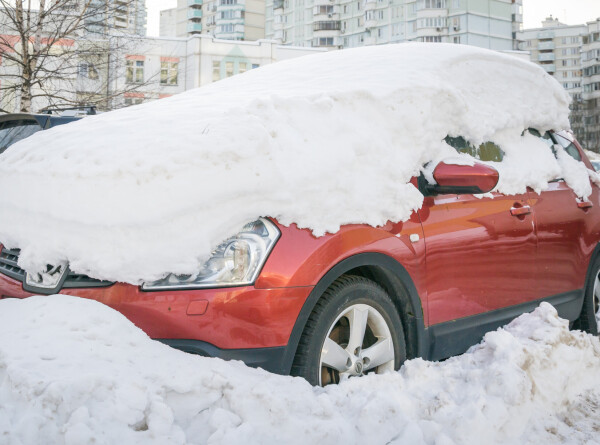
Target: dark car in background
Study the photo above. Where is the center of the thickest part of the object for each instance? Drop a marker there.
(18, 126)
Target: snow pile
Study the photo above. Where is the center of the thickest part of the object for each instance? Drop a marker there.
(322, 141)
(74, 371)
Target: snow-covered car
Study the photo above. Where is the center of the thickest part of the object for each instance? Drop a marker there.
(15, 127)
(326, 216)
(595, 164)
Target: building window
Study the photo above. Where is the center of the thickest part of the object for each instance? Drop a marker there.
(134, 72)
(255, 65)
(133, 101)
(431, 4)
(323, 41)
(216, 70)
(228, 2)
(228, 69)
(88, 70)
(169, 73)
(242, 67)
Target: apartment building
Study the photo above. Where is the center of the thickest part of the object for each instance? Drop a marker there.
(122, 17)
(348, 23)
(223, 19)
(572, 55)
(557, 48)
(590, 61)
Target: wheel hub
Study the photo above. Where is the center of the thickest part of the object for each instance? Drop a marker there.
(359, 342)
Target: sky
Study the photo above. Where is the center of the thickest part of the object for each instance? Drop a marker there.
(571, 12)
(154, 8)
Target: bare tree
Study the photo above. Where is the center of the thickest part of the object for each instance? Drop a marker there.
(64, 52)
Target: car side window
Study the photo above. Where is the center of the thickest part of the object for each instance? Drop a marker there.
(550, 140)
(568, 146)
(488, 151)
(546, 138)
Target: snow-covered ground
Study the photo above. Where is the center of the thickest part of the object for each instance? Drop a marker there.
(74, 371)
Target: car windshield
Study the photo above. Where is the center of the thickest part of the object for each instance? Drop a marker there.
(16, 130)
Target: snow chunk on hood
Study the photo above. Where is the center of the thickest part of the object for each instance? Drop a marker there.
(322, 141)
(74, 371)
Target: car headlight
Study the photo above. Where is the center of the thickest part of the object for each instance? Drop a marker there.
(235, 262)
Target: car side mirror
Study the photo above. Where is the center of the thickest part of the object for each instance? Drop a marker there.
(463, 179)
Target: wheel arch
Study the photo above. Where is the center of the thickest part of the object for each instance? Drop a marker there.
(388, 273)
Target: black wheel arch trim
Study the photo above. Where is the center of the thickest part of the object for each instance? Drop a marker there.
(370, 259)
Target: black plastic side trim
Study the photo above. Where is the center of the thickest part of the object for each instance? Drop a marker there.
(269, 359)
(456, 336)
(362, 259)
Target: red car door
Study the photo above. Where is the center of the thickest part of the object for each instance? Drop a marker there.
(479, 256)
(566, 227)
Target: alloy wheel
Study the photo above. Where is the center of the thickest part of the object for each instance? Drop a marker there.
(358, 342)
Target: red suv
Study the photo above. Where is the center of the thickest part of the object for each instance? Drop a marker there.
(365, 299)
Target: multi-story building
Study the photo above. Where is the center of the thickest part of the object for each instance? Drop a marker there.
(223, 19)
(348, 23)
(121, 17)
(590, 59)
(557, 47)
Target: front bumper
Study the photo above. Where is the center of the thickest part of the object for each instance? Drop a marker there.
(245, 323)
(269, 359)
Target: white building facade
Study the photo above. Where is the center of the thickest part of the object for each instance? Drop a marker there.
(590, 60)
(155, 68)
(125, 17)
(223, 19)
(489, 24)
(167, 66)
(572, 55)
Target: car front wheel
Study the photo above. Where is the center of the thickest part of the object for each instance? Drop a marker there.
(354, 330)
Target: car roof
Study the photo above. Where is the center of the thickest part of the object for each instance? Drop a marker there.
(43, 120)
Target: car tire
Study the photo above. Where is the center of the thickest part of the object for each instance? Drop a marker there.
(354, 329)
(587, 320)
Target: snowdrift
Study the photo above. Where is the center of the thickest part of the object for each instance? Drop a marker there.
(321, 141)
(74, 371)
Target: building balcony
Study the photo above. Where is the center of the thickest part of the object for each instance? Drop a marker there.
(545, 35)
(194, 13)
(546, 45)
(329, 25)
(372, 23)
(194, 27)
(546, 57)
(326, 17)
(550, 68)
(278, 35)
(370, 5)
(194, 2)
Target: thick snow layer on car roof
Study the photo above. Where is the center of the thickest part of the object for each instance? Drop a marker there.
(321, 141)
(74, 371)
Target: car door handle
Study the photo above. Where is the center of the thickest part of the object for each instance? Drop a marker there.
(585, 204)
(520, 211)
